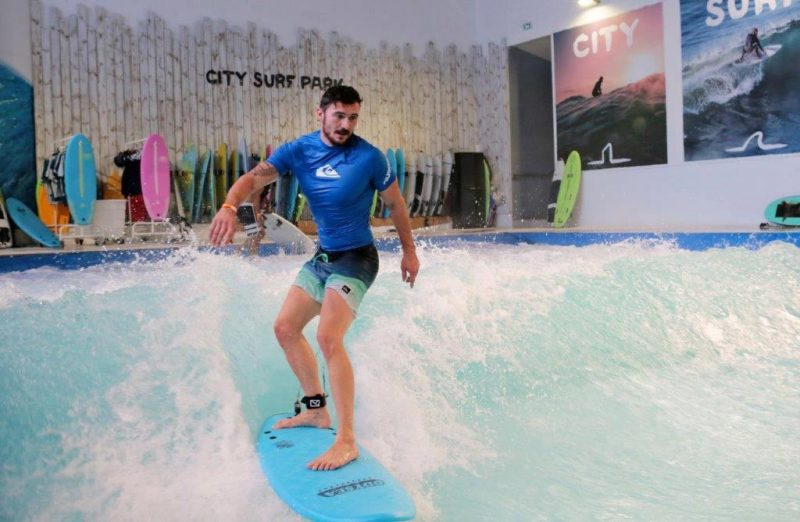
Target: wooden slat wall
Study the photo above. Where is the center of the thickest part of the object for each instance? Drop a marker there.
(95, 74)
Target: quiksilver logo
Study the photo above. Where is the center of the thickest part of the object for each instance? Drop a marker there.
(314, 403)
(327, 172)
(345, 289)
(343, 489)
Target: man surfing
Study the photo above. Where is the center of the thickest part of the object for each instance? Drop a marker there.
(338, 172)
(752, 45)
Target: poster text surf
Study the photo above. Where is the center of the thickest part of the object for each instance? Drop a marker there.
(737, 9)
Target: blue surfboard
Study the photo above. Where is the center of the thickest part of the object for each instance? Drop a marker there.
(80, 179)
(200, 186)
(401, 169)
(30, 223)
(291, 195)
(363, 490)
(392, 157)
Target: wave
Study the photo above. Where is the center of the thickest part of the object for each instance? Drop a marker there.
(632, 117)
(714, 77)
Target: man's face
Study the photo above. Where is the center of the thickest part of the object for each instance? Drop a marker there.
(338, 122)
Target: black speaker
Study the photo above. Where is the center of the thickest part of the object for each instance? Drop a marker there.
(468, 191)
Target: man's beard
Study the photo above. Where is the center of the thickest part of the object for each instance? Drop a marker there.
(336, 135)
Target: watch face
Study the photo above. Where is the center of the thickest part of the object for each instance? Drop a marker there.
(246, 214)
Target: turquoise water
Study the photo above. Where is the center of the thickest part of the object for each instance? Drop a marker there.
(512, 383)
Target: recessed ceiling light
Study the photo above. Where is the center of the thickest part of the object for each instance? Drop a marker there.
(588, 3)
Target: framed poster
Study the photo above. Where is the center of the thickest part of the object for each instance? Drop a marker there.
(610, 91)
(740, 78)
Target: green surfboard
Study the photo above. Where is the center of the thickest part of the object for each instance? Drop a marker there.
(568, 193)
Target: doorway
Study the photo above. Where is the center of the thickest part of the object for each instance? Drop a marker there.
(532, 135)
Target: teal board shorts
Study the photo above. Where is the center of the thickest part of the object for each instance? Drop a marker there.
(349, 273)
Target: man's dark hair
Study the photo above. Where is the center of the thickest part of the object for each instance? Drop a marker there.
(339, 94)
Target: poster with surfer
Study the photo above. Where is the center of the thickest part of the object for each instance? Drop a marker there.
(740, 78)
(610, 92)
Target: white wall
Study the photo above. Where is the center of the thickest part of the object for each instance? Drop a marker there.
(720, 194)
(370, 22)
(15, 45)
(708, 194)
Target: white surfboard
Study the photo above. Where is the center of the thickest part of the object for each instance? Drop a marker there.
(411, 180)
(427, 184)
(555, 186)
(447, 169)
(437, 185)
(6, 236)
(752, 58)
(283, 233)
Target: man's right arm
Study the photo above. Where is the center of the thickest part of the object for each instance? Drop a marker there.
(259, 177)
(224, 225)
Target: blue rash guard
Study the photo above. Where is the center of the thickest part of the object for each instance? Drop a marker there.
(338, 182)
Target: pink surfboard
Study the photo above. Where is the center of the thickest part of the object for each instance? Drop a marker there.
(155, 177)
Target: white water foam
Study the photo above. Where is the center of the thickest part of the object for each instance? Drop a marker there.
(512, 383)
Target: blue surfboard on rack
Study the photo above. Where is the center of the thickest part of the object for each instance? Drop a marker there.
(363, 490)
(80, 179)
(400, 159)
(291, 196)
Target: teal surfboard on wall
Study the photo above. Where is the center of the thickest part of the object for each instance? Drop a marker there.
(363, 490)
(185, 181)
(204, 166)
(784, 211)
(80, 179)
(568, 192)
(400, 159)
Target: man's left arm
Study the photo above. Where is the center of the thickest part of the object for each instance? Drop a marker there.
(393, 199)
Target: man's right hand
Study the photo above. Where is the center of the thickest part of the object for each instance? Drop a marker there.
(223, 227)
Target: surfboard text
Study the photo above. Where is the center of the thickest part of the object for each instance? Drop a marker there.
(272, 80)
(350, 487)
(739, 8)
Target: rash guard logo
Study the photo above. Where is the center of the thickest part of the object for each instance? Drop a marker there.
(327, 172)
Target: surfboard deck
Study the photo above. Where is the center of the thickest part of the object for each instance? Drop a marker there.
(80, 179)
(203, 166)
(401, 169)
(751, 59)
(51, 214)
(555, 187)
(30, 223)
(282, 232)
(568, 192)
(155, 177)
(784, 211)
(186, 182)
(363, 490)
(221, 177)
(6, 235)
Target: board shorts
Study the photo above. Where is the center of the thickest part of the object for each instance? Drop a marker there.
(349, 273)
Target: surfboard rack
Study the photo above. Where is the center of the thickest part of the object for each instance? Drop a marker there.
(162, 231)
(81, 233)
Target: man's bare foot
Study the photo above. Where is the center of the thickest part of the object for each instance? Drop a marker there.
(342, 452)
(317, 418)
